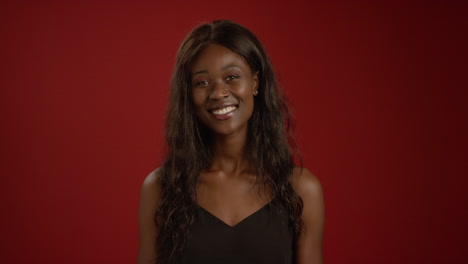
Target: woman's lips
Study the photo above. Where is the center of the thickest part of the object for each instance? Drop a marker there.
(224, 113)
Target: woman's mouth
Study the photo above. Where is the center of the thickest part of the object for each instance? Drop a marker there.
(224, 113)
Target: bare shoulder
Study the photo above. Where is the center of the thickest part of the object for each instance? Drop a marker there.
(306, 184)
(309, 244)
(152, 180)
(150, 196)
(151, 190)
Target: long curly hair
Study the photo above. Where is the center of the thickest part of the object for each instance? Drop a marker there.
(270, 143)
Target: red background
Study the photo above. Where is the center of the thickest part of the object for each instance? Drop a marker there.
(378, 92)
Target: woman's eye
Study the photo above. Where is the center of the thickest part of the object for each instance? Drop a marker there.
(201, 83)
(232, 77)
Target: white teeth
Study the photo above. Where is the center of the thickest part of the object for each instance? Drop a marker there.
(223, 110)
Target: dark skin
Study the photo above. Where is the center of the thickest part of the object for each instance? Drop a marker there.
(222, 82)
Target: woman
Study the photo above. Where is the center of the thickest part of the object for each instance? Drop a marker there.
(228, 191)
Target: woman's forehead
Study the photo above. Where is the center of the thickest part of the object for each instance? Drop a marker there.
(216, 57)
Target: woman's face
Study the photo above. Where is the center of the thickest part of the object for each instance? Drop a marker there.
(223, 87)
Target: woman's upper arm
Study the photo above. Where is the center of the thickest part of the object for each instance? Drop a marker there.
(309, 245)
(150, 196)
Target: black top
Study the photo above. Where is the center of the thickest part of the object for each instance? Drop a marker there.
(262, 237)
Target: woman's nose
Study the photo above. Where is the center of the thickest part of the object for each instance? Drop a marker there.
(219, 91)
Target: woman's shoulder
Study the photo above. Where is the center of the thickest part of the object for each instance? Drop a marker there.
(153, 180)
(150, 197)
(305, 182)
(150, 193)
(308, 187)
(304, 179)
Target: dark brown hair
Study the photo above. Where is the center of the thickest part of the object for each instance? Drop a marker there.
(270, 143)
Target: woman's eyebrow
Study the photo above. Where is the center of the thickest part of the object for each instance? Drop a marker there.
(222, 68)
(230, 66)
(199, 72)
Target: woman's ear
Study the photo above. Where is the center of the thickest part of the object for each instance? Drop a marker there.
(255, 83)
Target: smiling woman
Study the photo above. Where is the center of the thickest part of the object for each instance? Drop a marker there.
(228, 190)
(222, 90)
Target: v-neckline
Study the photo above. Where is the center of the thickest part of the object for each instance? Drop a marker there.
(241, 221)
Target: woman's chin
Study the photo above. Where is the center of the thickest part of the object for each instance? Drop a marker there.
(227, 130)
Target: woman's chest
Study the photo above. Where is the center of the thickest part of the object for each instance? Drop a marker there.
(262, 237)
(231, 199)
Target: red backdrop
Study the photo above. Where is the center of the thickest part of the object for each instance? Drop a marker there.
(378, 92)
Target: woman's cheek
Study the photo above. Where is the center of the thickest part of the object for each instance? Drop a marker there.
(198, 96)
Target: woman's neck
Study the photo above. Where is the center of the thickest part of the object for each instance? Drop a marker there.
(230, 153)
